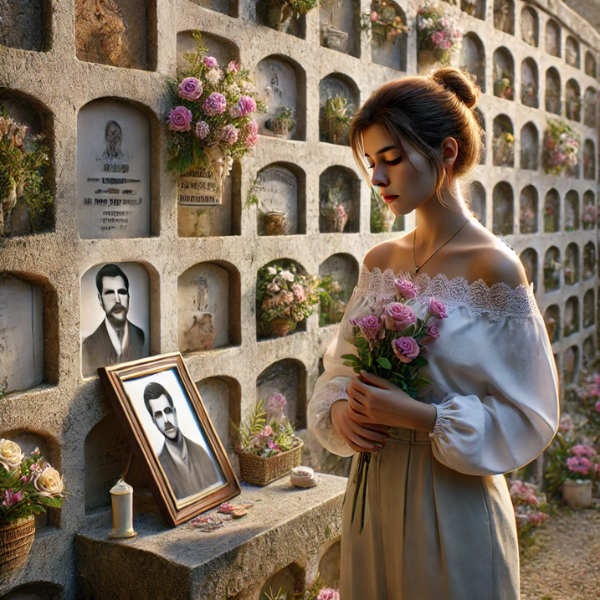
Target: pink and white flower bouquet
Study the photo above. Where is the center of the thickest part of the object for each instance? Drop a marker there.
(437, 31)
(561, 147)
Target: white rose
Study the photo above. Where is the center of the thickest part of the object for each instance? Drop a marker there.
(49, 482)
(272, 270)
(287, 275)
(10, 455)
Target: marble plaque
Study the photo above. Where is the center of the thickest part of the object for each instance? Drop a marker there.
(21, 335)
(277, 191)
(113, 171)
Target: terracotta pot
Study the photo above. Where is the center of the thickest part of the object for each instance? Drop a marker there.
(577, 494)
(280, 128)
(275, 223)
(277, 327)
(15, 543)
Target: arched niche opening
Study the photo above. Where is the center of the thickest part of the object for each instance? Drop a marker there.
(552, 38)
(590, 64)
(571, 365)
(571, 210)
(530, 147)
(290, 580)
(36, 590)
(530, 26)
(477, 201)
(225, 7)
(590, 214)
(208, 307)
(552, 94)
(503, 145)
(480, 117)
(589, 260)
(529, 83)
(339, 98)
(529, 258)
(340, 276)
(388, 48)
(382, 218)
(472, 58)
(339, 201)
(281, 84)
(589, 309)
(287, 377)
(572, 264)
(116, 171)
(552, 212)
(552, 322)
(107, 453)
(571, 316)
(504, 74)
(339, 25)
(589, 160)
(474, 8)
(222, 398)
(115, 315)
(504, 16)
(26, 25)
(528, 217)
(590, 103)
(572, 52)
(223, 49)
(22, 212)
(503, 209)
(589, 350)
(573, 100)
(280, 190)
(120, 35)
(329, 565)
(552, 268)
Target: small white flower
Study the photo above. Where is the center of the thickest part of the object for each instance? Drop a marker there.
(272, 270)
(287, 275)
(214, 76)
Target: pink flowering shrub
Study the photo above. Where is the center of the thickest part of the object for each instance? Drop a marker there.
(529, 507)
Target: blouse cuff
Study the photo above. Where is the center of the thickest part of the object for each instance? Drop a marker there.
(441, 421)
(342, 395)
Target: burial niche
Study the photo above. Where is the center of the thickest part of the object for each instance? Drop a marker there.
(589, 350)
(552, 94)
(571, 211)
(480, 117)
(282, 16)
(206, 316)
(590, 64)
(477, 201)
(529, 26)
(504, 74)
(552, 322)
(552, 38)
(340, 26)
(223, 49)
(225, 7)
(290, 580)
(552, 268)
(571, 364)
(25, 24)
(113, 171)
(590, 103)
(120, 34)
(474, 8)
(339, 201)
(504, 16)
(571, 316)
(287, 377)
(572, 52)
(472, 58)
(529, 258)
(572, 264)
(573, 100)
(329, 565)
(388, 44)
(115, 315)
(590, 214)
(589, 160)
(502, 209)
(36, 590)
(504, 142)
(339, 275)
(589, 308)
(589, 260)
(529, 147)
(338, 98)
(551, 211)
(528, 217)
(529, 83)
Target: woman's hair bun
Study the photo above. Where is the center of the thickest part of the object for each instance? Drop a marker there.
(457, 82)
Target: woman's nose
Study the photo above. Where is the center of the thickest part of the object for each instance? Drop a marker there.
(380, 177)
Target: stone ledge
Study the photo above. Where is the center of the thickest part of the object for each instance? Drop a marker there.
(288, 525)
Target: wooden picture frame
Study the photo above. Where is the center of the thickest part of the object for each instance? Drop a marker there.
(171, 434)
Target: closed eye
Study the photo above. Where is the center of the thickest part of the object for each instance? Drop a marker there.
(388, 162)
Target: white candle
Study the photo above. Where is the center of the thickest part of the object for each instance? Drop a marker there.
(122, 511)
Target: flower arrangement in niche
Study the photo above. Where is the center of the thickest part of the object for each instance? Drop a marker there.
(23, 161)
(437, 32)
(561, 147)
(384, 22)
(332, 211)
(335, 121)
(527, 219)
(503, 149)
(589, 217)
(333, 305)
(503, 85)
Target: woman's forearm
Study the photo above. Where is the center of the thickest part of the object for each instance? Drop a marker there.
(418, 415)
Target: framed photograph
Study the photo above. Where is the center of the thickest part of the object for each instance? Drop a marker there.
(171, 435)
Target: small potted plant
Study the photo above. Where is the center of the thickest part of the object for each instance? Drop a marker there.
(332, 305)
(561, 147)
(383, 21)
(283, 123)
(438, 36)
(267, 447)
(333, 213)
(503, 85)
(503, 149)
(335, 122)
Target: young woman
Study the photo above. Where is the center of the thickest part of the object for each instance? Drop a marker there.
(438, 519)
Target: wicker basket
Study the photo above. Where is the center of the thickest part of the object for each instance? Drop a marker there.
(260, 471)
(15, 543)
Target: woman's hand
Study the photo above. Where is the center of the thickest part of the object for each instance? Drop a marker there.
(360, 438)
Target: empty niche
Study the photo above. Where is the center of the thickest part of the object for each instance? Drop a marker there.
(529, 258)
(552, 322)
(572, 52)
(589, 260)
(589, 160)
(552, 94)
(571, 211)
(528, 217)
(107, 453)
(339, 201)
(477, 201)
(529, 83)
(118, 34)
(329, 565)
(113, 171)
(475, 8)
(572, 264)
(573, 100)
(278, 189)
(290, 580)
(115, 315)
(388, 49)
(552, 212)
(472, 58)
(590, 214)
(571, 316)
(552, 268)
(552, 38)
(590, 102)
(529, 26)
(338, 99)
(36, 590)
(529, 147)
(218, 47)
(504, 74)
(287, 377)
(25, 24)
(341, 275)
(502, 223)
(206, 316)
(589, 350)
(503, 144)
(340, 26)
(226, 7)
(571, 364)
(588, 308)
(590, 64)
(504, 16)
(278, 80)
(480, 117)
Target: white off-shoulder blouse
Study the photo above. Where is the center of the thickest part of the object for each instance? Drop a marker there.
(494, 379)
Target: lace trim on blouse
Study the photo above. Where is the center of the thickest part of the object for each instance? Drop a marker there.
(498, 301)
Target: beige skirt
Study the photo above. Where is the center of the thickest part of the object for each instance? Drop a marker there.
(430, 533)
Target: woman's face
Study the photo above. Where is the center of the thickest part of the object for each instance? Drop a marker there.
(404, 185)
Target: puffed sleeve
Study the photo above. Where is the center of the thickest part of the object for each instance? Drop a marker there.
(516, 417)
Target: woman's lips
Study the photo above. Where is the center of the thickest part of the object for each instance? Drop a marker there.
(389, 199)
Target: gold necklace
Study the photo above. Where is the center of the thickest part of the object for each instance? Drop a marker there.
(415, 238)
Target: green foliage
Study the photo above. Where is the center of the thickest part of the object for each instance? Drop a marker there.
(254, 424)
(337, 115)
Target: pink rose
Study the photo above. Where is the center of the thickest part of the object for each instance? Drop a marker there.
(437, 38)
(180, 119)
(405, 348)
(233, 67)
(190, 89)
(433, 333)
(328, 594)
(597, 406)
(210, 61)
(247, 105)
(373, 17)
(215, 104)
(299, 292)
(371, 329)
(405, 288)
(266, 432)
(251, 140)
(437, 309)
(398, 317)
(276, 400)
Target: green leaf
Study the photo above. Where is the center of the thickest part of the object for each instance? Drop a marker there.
(350, 357)
(420, 361)
(52, 501)
(384, 363)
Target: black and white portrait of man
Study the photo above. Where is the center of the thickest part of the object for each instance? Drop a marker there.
(113, 135)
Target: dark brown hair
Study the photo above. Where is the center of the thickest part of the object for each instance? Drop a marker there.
(425, 110)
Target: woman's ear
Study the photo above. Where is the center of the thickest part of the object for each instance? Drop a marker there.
(449, 151)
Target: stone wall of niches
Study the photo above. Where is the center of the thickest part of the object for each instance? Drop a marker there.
(192, 273)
